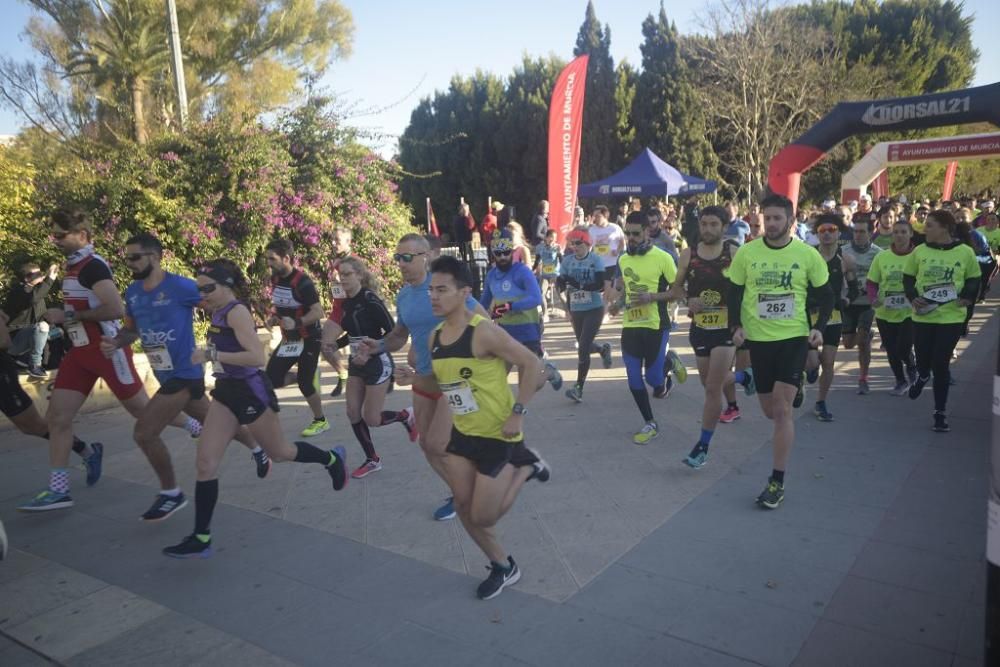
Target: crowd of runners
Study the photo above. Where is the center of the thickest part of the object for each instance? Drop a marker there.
(769, 296)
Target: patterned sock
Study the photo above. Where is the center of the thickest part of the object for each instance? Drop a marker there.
(59, 480)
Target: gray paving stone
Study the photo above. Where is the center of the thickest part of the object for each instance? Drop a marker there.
(19, 563)
(951, 538)
(918, 570)
(13, 654)
(85, 623)
(638, 598)
(667, 651)
(694, 561)
(750, 629)
(835, 645)
(580, 637)
(42, 590)
(971, 635)
(414, 645)
(172, 639)
(899, 613)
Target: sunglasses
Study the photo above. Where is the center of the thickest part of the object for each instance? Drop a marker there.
(827, 229)
(208, 288)
(406, 257)
(32, 275)
(135, 257)
(502, 253)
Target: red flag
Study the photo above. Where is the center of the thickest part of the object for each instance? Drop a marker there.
(432, 225)
(949, 180)
(565, 126)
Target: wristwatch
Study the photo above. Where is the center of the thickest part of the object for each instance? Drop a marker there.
(519, 409)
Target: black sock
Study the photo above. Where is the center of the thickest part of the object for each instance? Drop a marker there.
(79, 446)
(582, 370)
(642, 401)
(321, 418)
(778, 476)
(733, 405)
(206, 494)
(390, 417)
(306, 453)
(364, 437)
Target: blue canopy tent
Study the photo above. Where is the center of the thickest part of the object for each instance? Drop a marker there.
(647, 175)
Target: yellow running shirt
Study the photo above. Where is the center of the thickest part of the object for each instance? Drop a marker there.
(650, 272)
(777, 283)
(941, 275)
(887, 271)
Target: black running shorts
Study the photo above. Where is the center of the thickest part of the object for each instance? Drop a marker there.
(488, 454)
(778, 361)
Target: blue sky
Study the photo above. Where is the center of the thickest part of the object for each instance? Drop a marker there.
(405, 50)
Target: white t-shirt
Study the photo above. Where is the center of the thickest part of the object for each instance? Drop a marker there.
(608, 242)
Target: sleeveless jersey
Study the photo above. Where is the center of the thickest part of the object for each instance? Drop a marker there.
(222, 336)
(292, 296)
(476, 389)
(707, 281)
(863, 261)
(78, 297)
(835, 267)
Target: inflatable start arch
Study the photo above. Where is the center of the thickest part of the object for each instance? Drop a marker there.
(971, 105)
(899, 153)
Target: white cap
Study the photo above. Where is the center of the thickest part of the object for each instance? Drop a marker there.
(866, 197)
(829, 203)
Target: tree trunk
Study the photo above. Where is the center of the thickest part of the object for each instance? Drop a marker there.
(138, 116)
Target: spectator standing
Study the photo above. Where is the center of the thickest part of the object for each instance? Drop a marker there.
(25, 308)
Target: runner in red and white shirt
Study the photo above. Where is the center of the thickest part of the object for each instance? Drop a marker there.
(331, 327)
(91, 310)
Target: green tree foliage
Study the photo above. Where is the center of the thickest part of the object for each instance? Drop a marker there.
(626, 82)
(219, 191)
(666, 112)
(600, 147)
(106, 65)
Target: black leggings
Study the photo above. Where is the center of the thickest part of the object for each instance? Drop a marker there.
(308, 363)
(934, 344)
(586, 325)
(898, 340)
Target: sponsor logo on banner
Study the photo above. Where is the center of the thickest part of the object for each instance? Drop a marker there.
(889, 114)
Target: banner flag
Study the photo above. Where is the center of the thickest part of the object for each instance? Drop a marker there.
(565, 127)
(432, 225)
(949, 180)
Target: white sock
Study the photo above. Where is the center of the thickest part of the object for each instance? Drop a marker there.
(256, 450)
(173, 493)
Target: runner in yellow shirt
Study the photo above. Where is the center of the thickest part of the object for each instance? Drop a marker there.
(892, 308)
(771, 278)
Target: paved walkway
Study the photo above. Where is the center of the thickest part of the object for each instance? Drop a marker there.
(629, 557)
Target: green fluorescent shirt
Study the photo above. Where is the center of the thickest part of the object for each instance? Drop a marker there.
(941, 275)
(776, 281)
(651, 272)
(992, 236)
(887, 271)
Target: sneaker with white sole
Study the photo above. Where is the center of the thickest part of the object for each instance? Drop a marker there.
(647, 433)
(163, 507)
(446, 511)
(367, 468)
(411, 425)
(47, 500)
(501, 576)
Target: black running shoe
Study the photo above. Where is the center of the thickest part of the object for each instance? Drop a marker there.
(772, 495)
(540, 469)
(664, 391)
(500, 577)
(263, 463)
(917, 387)
(940, 423)
(606, 355)
(163, 507)
(338, 469)
(191, 547)
(800, 396)
(339, 389)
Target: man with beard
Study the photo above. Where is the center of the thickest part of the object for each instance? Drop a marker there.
(90, 313)
(511, 296)
(159, 312)
(771, 279)
(298, 310)
(702, 271)
(641, 292)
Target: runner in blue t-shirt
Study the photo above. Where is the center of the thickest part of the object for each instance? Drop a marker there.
(159, 312)
(415, 320)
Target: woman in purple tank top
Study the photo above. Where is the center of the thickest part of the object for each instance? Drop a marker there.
(242, 396)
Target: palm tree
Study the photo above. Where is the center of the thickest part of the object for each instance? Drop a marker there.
(126, 49)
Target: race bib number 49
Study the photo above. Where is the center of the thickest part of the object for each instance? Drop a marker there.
(776, 306)
(459, 397)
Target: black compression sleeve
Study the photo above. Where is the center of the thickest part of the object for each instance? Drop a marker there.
(822, 296)
(910, 286)
(597, 285)
(970, 291)
(735, 302)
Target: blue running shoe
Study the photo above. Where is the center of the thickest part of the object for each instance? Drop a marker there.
(446, 511)
(812, 375)
(47, 500)
(556, 378)
(749, 384)
(698, 456)
(93, 463)
(822, 413)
